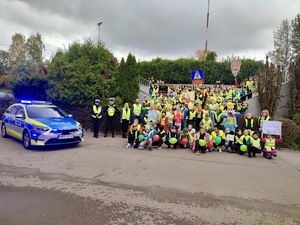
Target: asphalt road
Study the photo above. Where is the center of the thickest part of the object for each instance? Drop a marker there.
(101, 182)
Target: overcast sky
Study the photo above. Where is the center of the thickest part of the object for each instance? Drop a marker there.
(150, 28)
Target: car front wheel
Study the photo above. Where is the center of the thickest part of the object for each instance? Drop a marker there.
(26, 140)
(3, 131)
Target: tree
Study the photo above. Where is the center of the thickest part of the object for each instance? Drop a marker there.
(128, 79)
(282, 53)
(200, 54)
(81, 74)
(269, 87)
(34, 54)
(17, 52)
(295, 39)
(211, 56)
(25, 56)
(294, 104)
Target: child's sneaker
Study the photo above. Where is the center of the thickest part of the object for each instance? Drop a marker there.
(128, 146)
(141, 147)
(159, 148)
(198, 153)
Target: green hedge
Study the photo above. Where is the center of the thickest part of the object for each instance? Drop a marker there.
(178, 71)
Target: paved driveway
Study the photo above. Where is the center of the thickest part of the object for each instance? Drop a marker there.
(101, 182)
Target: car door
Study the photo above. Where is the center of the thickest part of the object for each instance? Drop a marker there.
(9, 119)
(18, 123)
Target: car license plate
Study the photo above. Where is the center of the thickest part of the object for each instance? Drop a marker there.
(68, 136)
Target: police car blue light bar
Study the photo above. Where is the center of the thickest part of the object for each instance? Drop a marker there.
(35, 102)
(26, 101)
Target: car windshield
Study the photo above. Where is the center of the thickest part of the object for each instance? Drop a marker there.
(46, 112)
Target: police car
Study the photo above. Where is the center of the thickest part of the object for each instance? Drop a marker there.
(39, 123)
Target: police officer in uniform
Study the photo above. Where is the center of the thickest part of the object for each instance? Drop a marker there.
(97, 117)
(110, 111)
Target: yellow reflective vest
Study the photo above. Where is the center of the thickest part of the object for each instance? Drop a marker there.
(192, 115)
(126, 115)
(96, 110)
(270, 144)
(207, 124)
(111, 110)
(137, 109)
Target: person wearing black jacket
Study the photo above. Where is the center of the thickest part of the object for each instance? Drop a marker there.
(110, 112)
(97, 117)
(161, 133)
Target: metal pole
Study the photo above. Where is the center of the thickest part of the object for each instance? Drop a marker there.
(99, 24)
(207, 23)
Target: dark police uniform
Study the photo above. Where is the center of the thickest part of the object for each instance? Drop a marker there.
(97, 117)
(110, 111)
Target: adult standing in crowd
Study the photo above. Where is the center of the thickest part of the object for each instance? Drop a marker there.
(137, 110)
(250, 86)
(153, 116)
(97, 117)
(264, 117)
(110, 111)
(125, 119)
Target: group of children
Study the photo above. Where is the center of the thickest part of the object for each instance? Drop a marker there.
(202, 119)
(202, 141)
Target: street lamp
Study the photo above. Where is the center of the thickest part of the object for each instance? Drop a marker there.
(99, 24)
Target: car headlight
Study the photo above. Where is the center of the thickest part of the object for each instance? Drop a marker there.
(40, 128)
(79, 127)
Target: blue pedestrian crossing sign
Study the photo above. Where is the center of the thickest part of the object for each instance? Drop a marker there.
(197, 76)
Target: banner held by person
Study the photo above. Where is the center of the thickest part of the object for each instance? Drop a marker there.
(272, 127)
(163, 89)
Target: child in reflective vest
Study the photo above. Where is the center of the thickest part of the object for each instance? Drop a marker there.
(178, 118)
(161, 133)
(184, 134)
(164, 121)
(269, 149)
(249, 123)
(133, 134)
(201, 135)
(248, 141)
(238, 141)
(256, 145)
(172, 134)
(229, 140)
(148, 138)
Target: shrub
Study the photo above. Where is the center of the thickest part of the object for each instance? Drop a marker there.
(83, 116)
(30, 87)
(296, 119)
(290, 134)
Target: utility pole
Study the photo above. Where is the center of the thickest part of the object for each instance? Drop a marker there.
(99, 24)
(207, 23)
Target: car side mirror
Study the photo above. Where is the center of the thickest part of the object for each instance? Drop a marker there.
(70, 115)
(19, 116)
